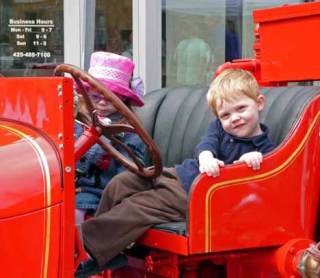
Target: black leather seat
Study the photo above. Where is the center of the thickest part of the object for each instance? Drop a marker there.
(177, 119)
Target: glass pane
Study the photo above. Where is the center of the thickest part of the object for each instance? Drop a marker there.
(198, 36)
(31, 37)
(113, 31)
(193, 40)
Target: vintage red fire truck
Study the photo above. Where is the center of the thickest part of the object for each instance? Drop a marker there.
(244, 223)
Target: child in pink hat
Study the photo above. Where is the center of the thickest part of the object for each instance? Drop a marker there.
(96, 168)
(115, 72)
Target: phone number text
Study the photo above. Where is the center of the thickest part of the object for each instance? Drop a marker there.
(32, 54)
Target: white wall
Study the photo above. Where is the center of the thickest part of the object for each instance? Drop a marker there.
(147, 42)
(78, 32)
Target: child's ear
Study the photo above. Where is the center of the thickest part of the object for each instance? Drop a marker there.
(260, 102)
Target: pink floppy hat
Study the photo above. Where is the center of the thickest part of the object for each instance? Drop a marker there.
(115, 73)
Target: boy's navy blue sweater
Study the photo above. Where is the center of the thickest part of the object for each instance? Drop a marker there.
(225, 147)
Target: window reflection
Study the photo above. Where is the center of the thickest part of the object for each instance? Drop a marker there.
(232, 42)
(113, 30)
(31, 37)
(193, 41)
(198, 36)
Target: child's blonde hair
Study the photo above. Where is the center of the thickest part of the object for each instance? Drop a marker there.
(231, 83)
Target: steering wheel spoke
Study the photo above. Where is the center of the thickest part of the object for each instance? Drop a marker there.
(128, 150)
(114, 129)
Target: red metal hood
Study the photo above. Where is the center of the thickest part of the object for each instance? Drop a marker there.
(30, 170)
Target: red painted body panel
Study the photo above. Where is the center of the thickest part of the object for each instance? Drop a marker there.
(222, 210)
(26, 153)
(157, 238)
(288, 42)
(36, 177)
(28, 249)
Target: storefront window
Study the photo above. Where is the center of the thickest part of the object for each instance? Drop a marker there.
(31, 37)
(198, 36)
(192, 40)
(113, 28)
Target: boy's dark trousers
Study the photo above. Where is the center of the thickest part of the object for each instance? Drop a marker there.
(128, 207)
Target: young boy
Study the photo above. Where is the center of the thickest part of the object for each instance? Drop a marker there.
(131, 204)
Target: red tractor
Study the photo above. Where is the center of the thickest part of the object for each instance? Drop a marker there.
(244, 223)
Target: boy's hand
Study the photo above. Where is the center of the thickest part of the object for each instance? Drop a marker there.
(209, 165)
(252, 159)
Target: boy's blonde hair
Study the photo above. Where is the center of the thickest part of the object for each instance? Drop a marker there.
(231, 83)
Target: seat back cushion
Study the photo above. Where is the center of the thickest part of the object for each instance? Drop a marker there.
(177, 118)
